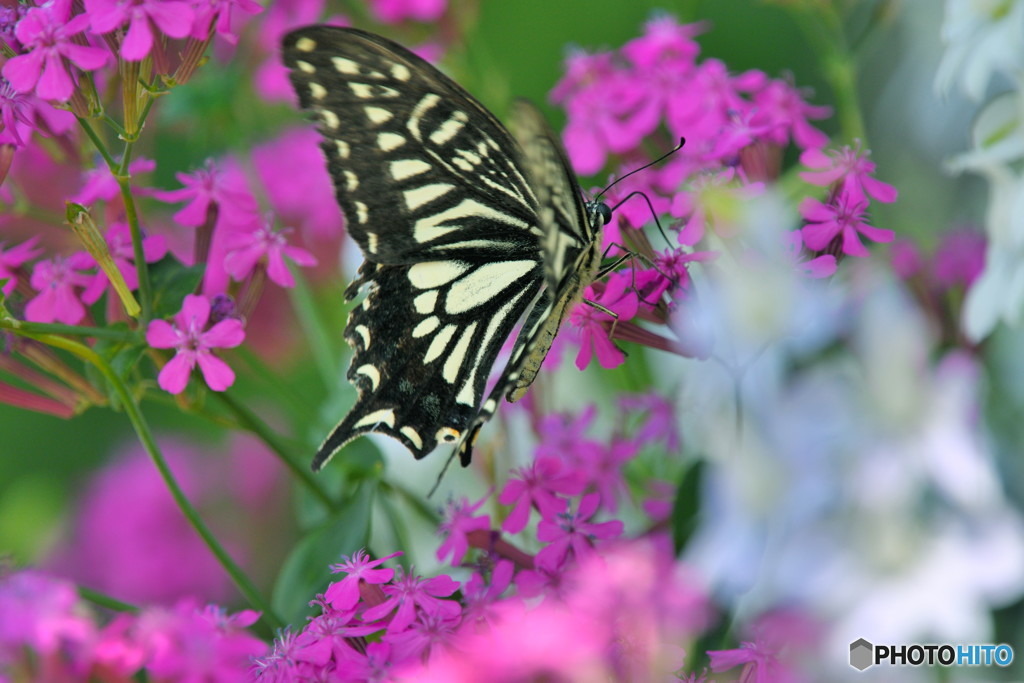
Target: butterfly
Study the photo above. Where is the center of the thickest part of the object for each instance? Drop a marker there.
(464, 228)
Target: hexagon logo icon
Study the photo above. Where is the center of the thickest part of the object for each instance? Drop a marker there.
(861, 654)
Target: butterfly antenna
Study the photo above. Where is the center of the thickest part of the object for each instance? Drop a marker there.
(682, 141)
(440, 475)
(650, 206)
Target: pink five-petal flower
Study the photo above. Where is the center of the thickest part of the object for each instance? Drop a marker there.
(172, 17)
(344, 594)
(574, 534)
(538, 486)
(603, 470)
(458, 522)
(56, 279)
(194, 345)
(247, 248)
(782, 108)
(409, 592)
(212, 184)
(14, 258)
(46, 34)
(844, 218)
(850, 170)
(593, 325)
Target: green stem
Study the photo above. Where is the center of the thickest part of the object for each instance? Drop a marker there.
(252, 422)
(141, 268)
(79, 330)
(97, 143)
(313, 327)
(104, 600)
(142, 430)
(824, 30)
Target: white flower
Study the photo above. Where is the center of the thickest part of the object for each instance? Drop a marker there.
(983, 38)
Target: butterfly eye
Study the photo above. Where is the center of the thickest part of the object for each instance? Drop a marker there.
(604, 212)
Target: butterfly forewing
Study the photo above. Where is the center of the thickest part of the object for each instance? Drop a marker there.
(462, 231)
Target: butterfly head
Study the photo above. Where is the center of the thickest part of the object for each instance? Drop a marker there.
(598, 213)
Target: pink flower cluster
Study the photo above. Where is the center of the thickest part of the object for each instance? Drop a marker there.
(48, 633)
(588, 603)
(620, 104)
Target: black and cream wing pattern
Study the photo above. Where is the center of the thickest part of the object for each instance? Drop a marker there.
(464, 230)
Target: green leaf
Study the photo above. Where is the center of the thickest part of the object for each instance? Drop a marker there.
(123, 358)
(305, 573)
(172, 280)
(686, 509)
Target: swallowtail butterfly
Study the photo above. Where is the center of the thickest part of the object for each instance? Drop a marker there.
(463, 227)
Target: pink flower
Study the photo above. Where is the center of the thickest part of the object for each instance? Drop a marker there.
(781, 108)
(291, 169)
(119, 240)
(395, 11)
(198, 644)
(100, 183)
(219, 11)
(409, 592)
(457, 523)
(194, 345)
(480, 596)
(959, 259)
(12, 259)
(428, 633)
(46, 33)
(777, 637)
(820, 266)
(661, 423)
(843, 218)
(539, 486)
(573, 534)
(172, 17)
(129, 538)
(594, 325)
(344, 594)
(264, 244)
(906, 258)
(42, 614)
(850, 171)
(226, 188)
(56, 279)
(665, 40)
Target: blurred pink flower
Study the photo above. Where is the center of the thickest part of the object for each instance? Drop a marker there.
(291, 169)
(12, 259)
(43, 615)
(46, 33)
(396, 11)
(56, 279)
(457, 522)
(906, 258)
(782, 109)
(100, 184)
(820, 266)
(131, 540)
(660, 424)
(959, 258)
(194, 345)
(222, 184)
(216, 15)
(245, 249)
(665, 41)
(172, 17)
